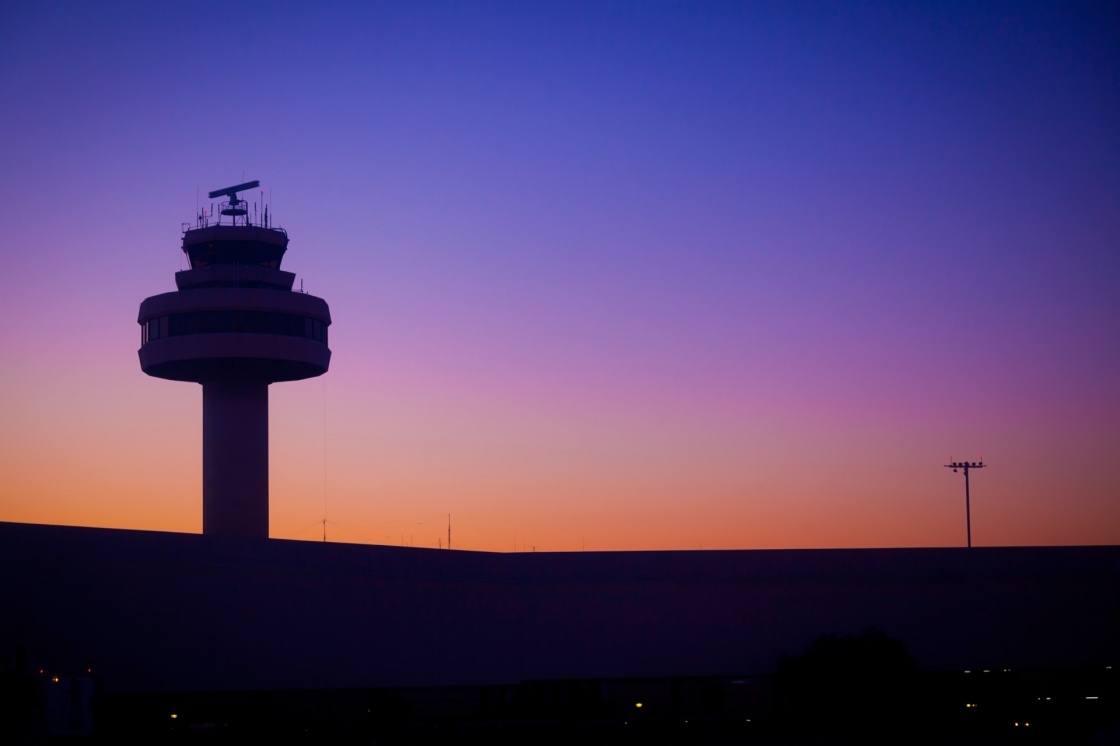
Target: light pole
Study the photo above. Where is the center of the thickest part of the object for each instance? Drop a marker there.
(965, 466)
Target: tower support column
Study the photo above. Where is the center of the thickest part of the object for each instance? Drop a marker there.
(235, 458)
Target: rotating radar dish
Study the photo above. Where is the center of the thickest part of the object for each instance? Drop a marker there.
(235, 207)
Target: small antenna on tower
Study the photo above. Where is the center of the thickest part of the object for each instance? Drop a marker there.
(448, 530)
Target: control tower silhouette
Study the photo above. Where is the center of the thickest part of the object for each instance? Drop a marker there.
(235, 326)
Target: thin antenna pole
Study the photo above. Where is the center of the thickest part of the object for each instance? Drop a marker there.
(324, 530)
(448, 530)
(965, 466)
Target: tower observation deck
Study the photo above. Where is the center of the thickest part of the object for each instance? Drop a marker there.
(234, 325)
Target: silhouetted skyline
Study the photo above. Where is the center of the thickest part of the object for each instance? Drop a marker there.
(604, 276)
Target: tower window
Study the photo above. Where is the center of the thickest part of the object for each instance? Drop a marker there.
(234, 322)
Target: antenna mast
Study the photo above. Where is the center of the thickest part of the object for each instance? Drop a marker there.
(965, 466)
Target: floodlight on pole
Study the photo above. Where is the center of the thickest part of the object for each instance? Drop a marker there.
(965, 466)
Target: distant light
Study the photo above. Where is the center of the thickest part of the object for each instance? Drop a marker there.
(987, 670)
(967, 671)
(1085, 698)
(638, 705)
(54, 679)
(174, 716)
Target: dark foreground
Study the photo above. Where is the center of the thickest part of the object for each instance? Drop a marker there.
(115, 636)
(976, 707)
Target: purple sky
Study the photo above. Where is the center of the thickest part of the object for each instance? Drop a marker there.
(603, 275)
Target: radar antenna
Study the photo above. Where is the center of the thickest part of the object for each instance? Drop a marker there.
(236, 207)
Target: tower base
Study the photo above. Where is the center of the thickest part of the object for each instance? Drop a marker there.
(235, 458)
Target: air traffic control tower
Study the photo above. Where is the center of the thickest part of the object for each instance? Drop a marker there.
(234, 325)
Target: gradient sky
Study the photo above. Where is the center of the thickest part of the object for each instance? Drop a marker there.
(603, 275)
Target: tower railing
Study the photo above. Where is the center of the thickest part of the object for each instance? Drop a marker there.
(206, 221)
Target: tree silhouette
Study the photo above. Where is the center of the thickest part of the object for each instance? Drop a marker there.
(850, 687)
